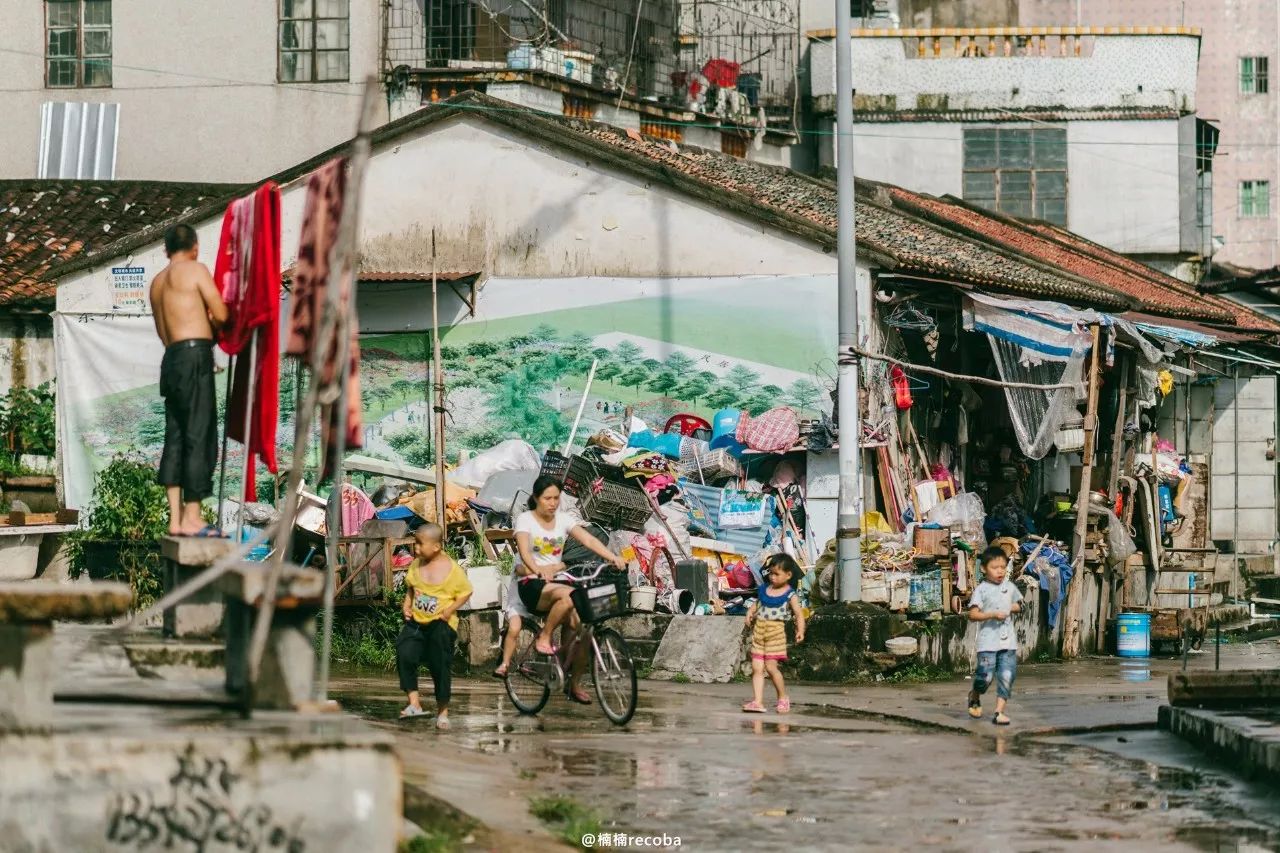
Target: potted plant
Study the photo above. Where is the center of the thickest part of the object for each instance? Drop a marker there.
(128, 513)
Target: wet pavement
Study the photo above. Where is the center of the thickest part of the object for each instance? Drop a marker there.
(1082, 768)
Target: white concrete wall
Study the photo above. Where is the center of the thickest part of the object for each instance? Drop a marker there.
(1123, 184)
(196, 84)
(1123, 177)
(508, 207)
(26, 352)
(923, 156)
(1123, 71)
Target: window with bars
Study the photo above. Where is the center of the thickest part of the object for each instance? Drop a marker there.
(1018, 171)
(1255, 199)
(315, 41)
(1253, 75)
(78, 44)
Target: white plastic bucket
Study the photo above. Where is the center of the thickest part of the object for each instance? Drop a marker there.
(644, 598)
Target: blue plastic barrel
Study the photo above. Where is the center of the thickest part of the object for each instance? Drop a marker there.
(1133, 635)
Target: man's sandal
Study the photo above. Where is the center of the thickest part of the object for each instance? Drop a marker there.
(975, 707)
(1001, 719)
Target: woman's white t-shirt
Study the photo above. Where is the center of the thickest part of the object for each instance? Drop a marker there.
(546, 546)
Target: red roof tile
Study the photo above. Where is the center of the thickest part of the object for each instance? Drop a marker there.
(1097, 267)
(47, 223)
(1240, 316)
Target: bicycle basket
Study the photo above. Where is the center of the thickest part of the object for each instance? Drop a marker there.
(601, 599)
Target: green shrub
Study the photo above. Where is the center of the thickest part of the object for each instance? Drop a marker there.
(128, 512)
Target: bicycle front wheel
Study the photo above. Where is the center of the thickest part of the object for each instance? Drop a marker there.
(526, 676)
(615, 676)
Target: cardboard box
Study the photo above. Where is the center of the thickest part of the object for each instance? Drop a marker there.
(932, 542)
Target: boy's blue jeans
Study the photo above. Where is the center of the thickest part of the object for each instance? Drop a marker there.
(1002, 665)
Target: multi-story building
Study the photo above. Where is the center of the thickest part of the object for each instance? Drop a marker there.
(1237, 91)
(1236, 88)
(225, 91)
(1091, 130)
(238, 89)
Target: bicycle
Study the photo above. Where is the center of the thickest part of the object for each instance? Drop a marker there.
(531, 676)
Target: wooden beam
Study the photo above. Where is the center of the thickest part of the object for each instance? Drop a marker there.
(1071, 635)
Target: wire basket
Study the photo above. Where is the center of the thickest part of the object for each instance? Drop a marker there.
(615, 506)
(554, 465)
(601, 599)
(582, 472)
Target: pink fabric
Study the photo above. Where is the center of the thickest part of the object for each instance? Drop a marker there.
(356, 509)
(775, 431)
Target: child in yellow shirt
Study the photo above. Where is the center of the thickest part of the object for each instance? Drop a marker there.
(435, 588)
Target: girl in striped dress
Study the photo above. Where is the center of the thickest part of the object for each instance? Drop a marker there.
(776, 603)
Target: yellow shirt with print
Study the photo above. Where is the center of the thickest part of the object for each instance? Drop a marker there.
(430, 599)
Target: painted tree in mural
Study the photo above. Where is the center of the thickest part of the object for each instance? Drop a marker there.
(608, 371)
(151, 428)
(757, 402)
(722, 397)
(634, 378)
(693, 389)
(680, 364)
(481, 349)
(664, 383)
(627, 353)
(516, 404)
(741, 378)
(804, 395)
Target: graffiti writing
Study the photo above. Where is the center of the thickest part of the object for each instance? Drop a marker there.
(196, 814)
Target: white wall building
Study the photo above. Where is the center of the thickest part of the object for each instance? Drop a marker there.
(1096, 132)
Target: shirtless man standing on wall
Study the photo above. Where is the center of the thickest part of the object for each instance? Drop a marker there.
(188, 310)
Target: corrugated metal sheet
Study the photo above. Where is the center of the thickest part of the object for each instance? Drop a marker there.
(78, 140)
(747, 541)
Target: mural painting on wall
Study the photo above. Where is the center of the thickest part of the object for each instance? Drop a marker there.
(522, 375)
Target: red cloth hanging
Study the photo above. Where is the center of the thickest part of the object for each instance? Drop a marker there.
(321, 217)
(247, 272)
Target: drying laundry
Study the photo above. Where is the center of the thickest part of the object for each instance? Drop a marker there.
(247, 272)
(321, 217)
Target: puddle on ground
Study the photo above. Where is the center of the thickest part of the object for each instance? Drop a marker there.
(724, 781)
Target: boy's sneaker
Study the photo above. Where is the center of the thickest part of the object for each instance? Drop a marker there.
(975, 706)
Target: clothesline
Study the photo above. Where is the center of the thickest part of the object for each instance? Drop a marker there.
(960, 377)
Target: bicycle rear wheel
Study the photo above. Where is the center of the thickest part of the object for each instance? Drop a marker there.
(526, 676)
(614, 672)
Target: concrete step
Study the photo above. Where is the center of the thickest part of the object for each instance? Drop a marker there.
(1249, 740)
(1227, 688)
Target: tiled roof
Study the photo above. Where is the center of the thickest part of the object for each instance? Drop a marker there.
(901, 231)
(825, 103)
(47, 223)
(1084, 259)
(778, 197)
(1239, 316)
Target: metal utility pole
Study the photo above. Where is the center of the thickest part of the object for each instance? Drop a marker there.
(849, 520)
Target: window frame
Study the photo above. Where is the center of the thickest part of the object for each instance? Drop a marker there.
(1004, 172)
(1256, 80)
(311, 20)
(1247, 199)
(80, 60)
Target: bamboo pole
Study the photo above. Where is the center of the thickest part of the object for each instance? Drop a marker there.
(1071, 637)
(441, 500)
(341, 264)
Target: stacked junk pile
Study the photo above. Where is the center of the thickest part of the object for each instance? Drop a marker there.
(695, 508)
(1043, 409)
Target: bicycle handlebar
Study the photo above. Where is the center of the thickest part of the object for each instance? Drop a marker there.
(569, 577)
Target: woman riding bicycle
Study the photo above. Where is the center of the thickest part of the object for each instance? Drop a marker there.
(540, 536)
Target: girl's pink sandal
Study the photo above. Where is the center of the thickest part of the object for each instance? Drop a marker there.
(784, 706)
(752, 707)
